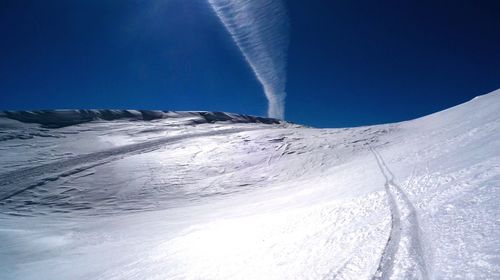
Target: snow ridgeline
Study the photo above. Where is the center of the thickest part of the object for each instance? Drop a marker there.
(63, 118)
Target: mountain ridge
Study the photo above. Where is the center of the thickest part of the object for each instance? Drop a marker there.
(58, 118)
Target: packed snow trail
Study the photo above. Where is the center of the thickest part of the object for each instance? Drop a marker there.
(403, 257)
(16, 182)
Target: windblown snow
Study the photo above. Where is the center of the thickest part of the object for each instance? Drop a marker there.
(104, 194)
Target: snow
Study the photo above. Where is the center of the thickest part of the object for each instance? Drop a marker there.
(90, 194)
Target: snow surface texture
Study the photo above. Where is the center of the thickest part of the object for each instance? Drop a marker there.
(260, 30)
(186, 196)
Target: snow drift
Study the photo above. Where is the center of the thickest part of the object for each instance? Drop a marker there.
(237, 197)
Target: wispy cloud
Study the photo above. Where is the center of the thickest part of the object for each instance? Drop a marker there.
(260, 30)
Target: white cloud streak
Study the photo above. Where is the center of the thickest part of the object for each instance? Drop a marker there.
(260, 30)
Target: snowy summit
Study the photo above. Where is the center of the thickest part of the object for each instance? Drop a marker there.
(124, 194)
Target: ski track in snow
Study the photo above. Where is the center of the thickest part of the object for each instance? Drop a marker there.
(16, 182)
(403, 256)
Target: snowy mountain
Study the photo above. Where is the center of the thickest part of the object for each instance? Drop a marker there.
(109, 194)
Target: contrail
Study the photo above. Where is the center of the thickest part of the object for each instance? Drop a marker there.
(260, 30)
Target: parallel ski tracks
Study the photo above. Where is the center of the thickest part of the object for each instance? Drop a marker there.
(403, 256)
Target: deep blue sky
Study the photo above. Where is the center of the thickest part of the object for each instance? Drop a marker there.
(350, 62)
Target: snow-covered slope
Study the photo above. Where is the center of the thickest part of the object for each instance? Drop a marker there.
(95, 194)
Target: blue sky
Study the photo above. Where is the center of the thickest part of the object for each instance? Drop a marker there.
(349, 62)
